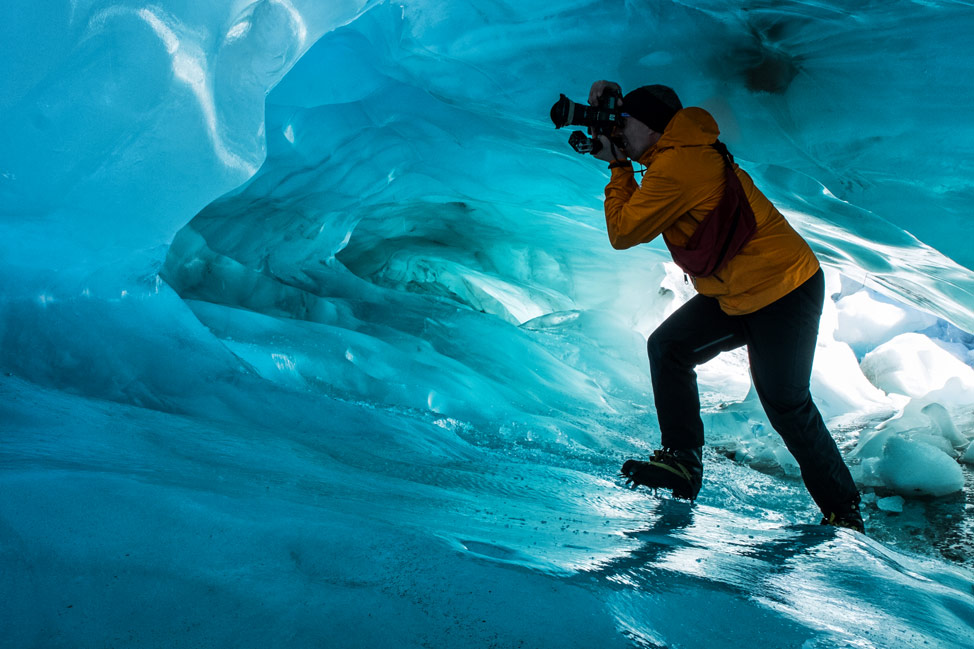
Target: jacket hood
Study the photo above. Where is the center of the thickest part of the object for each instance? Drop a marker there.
(689, 127)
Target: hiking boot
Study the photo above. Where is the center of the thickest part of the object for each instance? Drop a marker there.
(848, 517)
(680, 470)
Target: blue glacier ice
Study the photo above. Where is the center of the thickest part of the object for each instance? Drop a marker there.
(311, 335)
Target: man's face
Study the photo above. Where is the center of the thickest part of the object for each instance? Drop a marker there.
(637, 137)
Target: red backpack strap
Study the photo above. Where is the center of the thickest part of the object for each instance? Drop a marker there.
(723, 232)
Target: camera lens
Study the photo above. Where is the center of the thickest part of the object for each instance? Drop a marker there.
(562, 112)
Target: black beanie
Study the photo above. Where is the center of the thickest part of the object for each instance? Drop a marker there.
(649, 109)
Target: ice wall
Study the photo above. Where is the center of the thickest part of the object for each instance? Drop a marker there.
(120, 121)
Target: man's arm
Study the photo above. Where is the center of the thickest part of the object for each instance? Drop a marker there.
(637, 214)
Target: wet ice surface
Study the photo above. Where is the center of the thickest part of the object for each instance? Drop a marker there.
(131, 527)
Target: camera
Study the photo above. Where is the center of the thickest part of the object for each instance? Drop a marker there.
(600, 120)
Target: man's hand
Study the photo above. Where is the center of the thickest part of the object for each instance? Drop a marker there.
(609, 151)
(598, 88)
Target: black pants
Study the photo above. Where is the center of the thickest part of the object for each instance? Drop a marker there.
(780, 341)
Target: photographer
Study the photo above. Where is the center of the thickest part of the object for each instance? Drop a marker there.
(758, 282)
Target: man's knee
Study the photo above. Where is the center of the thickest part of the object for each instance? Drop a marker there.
(795, 417)
(779, 394)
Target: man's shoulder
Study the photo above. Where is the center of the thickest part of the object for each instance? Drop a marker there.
(686, 161)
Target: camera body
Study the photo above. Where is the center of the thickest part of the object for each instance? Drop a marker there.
(602, 119)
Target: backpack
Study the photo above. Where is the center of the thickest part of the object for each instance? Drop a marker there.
(723, 232)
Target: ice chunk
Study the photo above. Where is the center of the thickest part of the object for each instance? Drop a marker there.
(912, 364)
(871, 443)
(944, 424)
(918, 469)
(891, 504)
(865, 321)
(929, 419)
(838, 384)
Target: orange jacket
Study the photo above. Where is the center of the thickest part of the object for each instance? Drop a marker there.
(683, 183)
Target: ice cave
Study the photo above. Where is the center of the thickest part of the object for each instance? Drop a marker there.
(311, 334)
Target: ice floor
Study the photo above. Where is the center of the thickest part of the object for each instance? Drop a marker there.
(128, 527)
